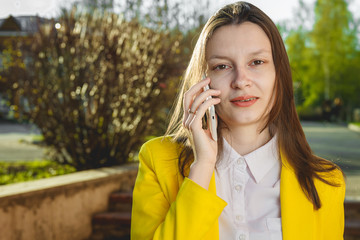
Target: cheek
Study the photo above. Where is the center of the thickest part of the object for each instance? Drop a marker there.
(220, 79)
(217, 85)
(270, 95)
(271, 87)
(219, 109)
(266, 83)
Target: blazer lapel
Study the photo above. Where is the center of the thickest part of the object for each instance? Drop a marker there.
(297, 212)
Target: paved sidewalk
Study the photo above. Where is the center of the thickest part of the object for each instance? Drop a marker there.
(336, 143)
(353, 188)
(341, 145)
(15, 142)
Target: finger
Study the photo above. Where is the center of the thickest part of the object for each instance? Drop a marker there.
(196, 123)
(189, 99)
(188, 115)
(189, 120)
(193, 91)
(191, 94)
(202, 98)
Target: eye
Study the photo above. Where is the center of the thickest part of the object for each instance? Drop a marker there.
(220, 67)
(257, 62)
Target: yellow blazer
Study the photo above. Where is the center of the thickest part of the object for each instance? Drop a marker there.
(169, 207)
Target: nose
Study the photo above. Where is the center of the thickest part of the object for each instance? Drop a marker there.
(241, 79)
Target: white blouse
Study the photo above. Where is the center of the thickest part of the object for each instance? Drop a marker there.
(250, 185)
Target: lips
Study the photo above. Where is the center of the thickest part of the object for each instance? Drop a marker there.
(244, 101)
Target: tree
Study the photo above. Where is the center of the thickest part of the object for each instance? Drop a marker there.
(322, 56)
(183, 15)
(12, 67)
(334, 41)
(94, 85)
(103, 82)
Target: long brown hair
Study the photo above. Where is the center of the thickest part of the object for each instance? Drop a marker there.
(282, 117)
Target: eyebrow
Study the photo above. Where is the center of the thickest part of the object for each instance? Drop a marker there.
(261, 51)
(257, 52)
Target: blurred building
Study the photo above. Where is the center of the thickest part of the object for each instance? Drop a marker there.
(12, 30)
(18, 29)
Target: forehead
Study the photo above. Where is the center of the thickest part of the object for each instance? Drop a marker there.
(244, 37)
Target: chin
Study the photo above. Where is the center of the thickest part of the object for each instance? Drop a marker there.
(239, 122)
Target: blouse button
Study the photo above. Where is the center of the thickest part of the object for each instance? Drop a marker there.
(240, 161)
(242, 237)
(238, 187)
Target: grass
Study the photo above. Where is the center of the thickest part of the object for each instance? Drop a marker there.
(356, 123)
(21, 171)
(13, 172)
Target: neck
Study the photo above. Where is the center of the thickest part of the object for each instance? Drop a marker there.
(245, 139)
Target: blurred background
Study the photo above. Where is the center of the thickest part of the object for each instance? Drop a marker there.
(83, 83)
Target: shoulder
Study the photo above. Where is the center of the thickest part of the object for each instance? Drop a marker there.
(159, 151)
(161, 147)
(334, 176)
(333, 191)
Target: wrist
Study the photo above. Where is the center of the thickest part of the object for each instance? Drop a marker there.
(204, 164)
(201, 173)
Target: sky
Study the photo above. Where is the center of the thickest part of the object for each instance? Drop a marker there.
(278, 10)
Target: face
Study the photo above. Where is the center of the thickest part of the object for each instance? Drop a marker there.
(240, 64)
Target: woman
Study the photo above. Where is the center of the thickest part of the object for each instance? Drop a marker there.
(260, 180)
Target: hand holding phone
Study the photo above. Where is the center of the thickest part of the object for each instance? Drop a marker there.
(212, 120)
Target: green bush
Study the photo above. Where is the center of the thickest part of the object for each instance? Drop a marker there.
(94, 86)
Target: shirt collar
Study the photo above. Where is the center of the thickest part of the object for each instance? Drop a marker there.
(259, 161)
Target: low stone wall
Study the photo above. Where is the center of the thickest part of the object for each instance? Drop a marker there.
(60, 208)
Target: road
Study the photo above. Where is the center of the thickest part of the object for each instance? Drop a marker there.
(331, 141)
(336, 143)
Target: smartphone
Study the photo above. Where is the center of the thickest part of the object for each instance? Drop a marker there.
(211, 117)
